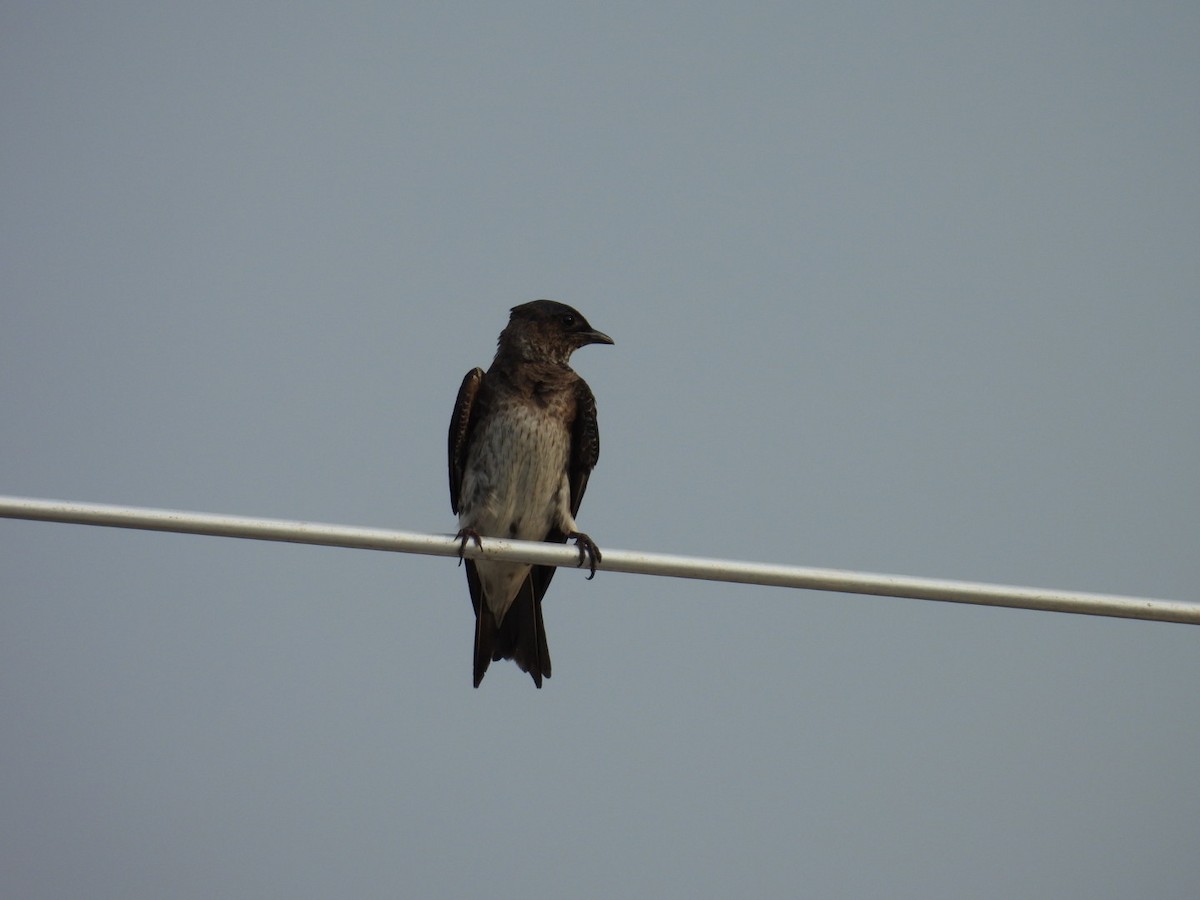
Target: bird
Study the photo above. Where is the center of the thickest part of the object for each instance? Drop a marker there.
(522, 444)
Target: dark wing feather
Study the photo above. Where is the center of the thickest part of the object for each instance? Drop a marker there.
(585, 444)
(460, 432)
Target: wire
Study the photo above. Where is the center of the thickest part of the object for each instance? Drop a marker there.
(632, 562)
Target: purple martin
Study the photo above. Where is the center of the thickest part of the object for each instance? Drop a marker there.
(523, 441)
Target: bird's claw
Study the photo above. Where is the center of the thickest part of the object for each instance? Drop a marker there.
(589, 553)
(464, 535)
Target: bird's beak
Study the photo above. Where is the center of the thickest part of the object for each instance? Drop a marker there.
(596, 337)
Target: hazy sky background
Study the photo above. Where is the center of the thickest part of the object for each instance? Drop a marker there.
(894, 287)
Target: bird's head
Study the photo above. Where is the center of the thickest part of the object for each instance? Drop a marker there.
(547, 331)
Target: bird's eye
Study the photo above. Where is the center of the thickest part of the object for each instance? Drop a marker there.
(568, 320)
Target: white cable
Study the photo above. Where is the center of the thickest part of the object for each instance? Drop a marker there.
(633, 562)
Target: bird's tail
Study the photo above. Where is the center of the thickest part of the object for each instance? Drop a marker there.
(485, 640)
(519, 636)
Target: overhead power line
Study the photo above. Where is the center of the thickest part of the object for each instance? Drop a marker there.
(633, 562)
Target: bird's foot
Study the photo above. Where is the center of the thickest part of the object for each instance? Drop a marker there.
(468, 534)
(589, 553)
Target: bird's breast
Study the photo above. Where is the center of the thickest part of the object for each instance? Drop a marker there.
(515, 477)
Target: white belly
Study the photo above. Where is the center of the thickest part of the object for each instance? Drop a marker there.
(515, 486)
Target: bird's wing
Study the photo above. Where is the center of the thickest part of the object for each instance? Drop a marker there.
(460, 432)
(585, 444)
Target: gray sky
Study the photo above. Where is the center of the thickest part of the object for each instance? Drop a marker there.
(894, 287)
